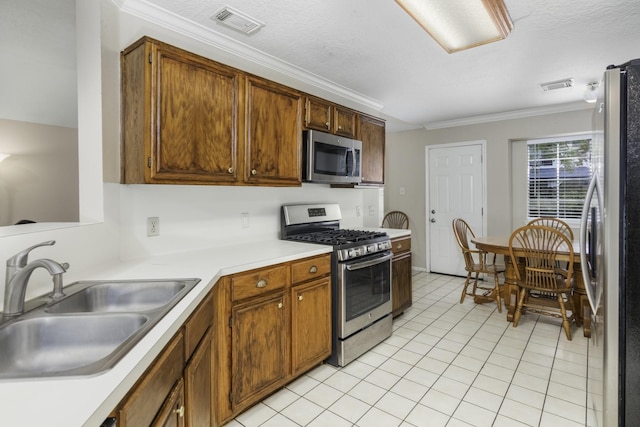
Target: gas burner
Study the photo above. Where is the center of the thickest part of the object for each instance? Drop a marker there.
(338, 237)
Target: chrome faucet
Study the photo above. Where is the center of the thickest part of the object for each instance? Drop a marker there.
(19, 271)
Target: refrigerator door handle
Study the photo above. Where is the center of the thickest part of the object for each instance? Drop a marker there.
(594, 188)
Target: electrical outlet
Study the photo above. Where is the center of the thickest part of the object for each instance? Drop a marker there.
(245, 219)
(153, 226)
(358, 211)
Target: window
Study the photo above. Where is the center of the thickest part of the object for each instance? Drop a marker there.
(559, 172)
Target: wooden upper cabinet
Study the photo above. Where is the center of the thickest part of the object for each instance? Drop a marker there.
(318, 114)
(345, 122)
(325, 116)
(273, 146)
(372, 134)
(180, 116)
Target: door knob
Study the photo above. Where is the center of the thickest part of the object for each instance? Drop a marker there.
(433, 220)
(433, 211)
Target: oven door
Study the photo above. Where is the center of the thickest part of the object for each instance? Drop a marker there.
(364, 292)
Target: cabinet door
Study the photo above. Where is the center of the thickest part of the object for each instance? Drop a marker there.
(150, 394)
(172, 413)
(345, 122)
(371, 133)
(310, 324)
(198, 385)
(318, 114)
(194, 118)
(401, 288)
(258, 347)
(274, 134)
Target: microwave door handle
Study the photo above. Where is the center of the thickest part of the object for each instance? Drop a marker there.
(365, 264)
(353, 161)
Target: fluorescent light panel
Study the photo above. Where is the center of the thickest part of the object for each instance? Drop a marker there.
(461, 24)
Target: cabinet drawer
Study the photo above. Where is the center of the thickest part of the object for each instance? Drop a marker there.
(401, 244)
(197, 325)
(310, 268)
(258, 282)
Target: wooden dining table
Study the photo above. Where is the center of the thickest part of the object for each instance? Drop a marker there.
(500, 245)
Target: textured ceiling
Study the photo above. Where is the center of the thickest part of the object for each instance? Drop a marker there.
(367, 51)
(372, 47)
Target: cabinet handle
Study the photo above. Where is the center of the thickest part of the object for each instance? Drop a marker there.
(230, 170)
(300, 297)
(327, 125)
(254, 172)
(399, 245)
(313, 269)
(339, 127)
(279, 305)
(261, 283)
(179, 411)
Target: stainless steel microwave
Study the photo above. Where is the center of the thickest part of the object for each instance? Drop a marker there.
(331, 159)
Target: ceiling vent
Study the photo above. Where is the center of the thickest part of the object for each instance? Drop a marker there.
(558, 84)
(237, 20)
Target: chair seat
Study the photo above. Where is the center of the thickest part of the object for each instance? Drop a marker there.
(483, 268)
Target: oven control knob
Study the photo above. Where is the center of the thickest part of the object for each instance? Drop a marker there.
(350, 253)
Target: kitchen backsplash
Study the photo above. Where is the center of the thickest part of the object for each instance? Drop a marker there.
(204, 216)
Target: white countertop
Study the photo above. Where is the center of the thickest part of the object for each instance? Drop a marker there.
(87, 401)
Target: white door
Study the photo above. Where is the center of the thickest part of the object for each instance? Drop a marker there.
(455, 190)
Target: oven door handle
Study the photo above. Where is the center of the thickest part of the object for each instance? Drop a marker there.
(365, 264)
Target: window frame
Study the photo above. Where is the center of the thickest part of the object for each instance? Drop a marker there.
(574, 219)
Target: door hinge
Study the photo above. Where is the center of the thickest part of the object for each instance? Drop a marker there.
(149, 162)
(230, 322)
(150, 58)
(230, 397)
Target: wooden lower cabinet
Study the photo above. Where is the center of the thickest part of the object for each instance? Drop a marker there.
(310, 324)
(401, 287)
(198, 388)
(259, 343)
(172, 412)
(271, 325)
(176, 390)
(153, 390)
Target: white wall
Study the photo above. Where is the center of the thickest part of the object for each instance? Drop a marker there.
(194, 217)
(405, 167)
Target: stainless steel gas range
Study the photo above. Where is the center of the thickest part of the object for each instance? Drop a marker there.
(361, 277)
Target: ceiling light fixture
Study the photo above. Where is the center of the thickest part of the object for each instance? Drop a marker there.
(237, 20)
(461, 24)
(591, 93)
(556, 84)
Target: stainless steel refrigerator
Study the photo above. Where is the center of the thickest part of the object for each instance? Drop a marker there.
(610, 252)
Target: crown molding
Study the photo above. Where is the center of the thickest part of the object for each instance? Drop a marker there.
(151, 13)
(510, 115)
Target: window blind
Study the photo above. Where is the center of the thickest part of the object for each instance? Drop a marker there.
(559, 172)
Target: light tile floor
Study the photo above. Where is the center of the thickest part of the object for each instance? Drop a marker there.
(446, 364)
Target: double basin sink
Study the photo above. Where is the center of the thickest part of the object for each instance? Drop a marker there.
(89, 330)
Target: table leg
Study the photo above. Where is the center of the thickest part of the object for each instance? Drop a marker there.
(510, 288)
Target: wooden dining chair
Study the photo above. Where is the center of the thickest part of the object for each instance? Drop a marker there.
(543, 287)
(554, 223)
(395, 219)
(477, 262)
